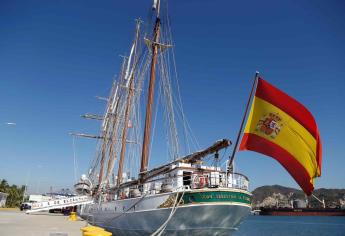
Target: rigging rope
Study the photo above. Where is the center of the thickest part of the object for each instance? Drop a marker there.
(171, 102)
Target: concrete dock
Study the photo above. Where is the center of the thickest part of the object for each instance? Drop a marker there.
(16, 223)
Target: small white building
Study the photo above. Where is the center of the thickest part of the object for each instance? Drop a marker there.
(3, 197)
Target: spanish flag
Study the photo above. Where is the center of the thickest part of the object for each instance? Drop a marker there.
(280, 127)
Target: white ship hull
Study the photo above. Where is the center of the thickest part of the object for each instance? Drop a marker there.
(204, 218)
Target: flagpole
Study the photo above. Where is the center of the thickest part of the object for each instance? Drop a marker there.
(231, 158)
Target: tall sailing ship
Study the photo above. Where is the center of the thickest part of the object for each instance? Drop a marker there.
(191, 193)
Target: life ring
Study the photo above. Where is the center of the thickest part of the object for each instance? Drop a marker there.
(122, 195)
(200, 181)
(203, 181)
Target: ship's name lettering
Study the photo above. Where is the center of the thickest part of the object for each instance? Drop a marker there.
(225, 196)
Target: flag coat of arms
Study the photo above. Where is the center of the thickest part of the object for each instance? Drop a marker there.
(280, 127)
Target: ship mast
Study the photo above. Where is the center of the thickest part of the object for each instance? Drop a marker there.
(150, 96)
(124, 133)
(105, 127)
(130, 87)
(112, 155)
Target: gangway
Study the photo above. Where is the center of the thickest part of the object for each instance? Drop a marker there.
(60, 203)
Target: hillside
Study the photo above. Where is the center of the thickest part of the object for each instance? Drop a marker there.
(276, 194)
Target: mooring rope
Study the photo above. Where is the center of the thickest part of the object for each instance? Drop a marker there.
(161, 229)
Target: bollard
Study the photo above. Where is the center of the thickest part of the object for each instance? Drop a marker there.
(97, 233)
(91, 228)
(73, 216)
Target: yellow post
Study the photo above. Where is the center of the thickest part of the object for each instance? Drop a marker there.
(73, 216)
(91, 228)
(97, 233)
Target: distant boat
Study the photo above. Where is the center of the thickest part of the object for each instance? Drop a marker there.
(300, 208)
(302, 211)
(255, 212)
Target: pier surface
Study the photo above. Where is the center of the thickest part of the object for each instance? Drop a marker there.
(16, 223)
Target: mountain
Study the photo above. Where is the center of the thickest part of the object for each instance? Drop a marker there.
(279, 195)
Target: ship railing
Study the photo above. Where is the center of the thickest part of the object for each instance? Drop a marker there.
(234, 180)
(196, 181)
(237, 180)
(207, 180)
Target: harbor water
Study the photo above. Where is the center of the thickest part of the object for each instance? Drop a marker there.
(292, 225)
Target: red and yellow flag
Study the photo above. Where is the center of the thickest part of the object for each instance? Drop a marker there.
(280, 127)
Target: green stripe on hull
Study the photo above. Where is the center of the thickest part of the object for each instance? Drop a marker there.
(216, 196)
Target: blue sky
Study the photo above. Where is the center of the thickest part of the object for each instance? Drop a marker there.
(55, 56)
